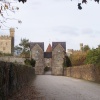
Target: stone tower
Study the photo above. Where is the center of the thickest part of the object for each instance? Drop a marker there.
(12, 31)
(81, 46)
(7, 42)
(58, 49)
(37, 53)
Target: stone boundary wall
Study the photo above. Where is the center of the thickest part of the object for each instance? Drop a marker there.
(12, 59)
(86, 72)
(13, 77)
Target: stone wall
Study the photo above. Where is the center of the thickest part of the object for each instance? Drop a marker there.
(13, 77)
(38, 55)
(57, 60)
(48, 62)
(12, 59)
(7, 42)
(86, 72)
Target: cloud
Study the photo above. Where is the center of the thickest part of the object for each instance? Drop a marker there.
(90, 33)
(66, 30)
(87, 31)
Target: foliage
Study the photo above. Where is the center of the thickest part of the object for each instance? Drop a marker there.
(78, 58)
(86, 48)
(22, 0)
(17, 49)
(27, 62)
(31, 62)
(79, 4)
(23, 48)
(67, 62)
(93, 57)
(84, 1)
(46, 69)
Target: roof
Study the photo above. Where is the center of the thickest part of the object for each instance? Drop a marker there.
(41, 44)
(54, 44)
(49, 48)
(47, 54)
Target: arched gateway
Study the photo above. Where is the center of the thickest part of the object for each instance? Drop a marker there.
(52, 58)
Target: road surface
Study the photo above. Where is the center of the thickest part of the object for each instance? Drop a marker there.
(66, 88)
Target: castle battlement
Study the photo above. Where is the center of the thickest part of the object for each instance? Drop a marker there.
(7, 42)
(5, 37)
(71, 50)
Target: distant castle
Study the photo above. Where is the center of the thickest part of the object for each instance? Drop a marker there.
(7, 42)
(72, 51)
(53, 57)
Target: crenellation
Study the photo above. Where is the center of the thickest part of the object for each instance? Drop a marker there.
(5, 37)
(7, 42)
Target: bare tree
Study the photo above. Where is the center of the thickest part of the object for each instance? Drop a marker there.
(5, 7)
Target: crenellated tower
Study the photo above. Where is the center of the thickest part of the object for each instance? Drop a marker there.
(7, 42)
(81, 46)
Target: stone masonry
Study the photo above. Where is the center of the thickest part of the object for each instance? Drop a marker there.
(53, 57)
(7, 43)
(37, 53)
(57, 60)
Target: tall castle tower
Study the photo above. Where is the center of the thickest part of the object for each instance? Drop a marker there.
(81, 46)
(12, 31)
(7, 42)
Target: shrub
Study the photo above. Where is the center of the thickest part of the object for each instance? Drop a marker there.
(67, 62)
(31, 62)
(93, 57)
(46, 69)
(78, 58)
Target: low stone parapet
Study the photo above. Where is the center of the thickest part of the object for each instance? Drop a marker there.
(86, 72)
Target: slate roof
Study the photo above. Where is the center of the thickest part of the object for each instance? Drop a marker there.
(49, 48)
(54, 44)
(47, 54)
(41, 44)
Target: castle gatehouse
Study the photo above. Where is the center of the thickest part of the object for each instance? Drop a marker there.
(53, 57)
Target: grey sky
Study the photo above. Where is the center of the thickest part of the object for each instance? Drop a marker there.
(58, 20)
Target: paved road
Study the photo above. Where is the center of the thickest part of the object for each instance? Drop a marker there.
(65, 88)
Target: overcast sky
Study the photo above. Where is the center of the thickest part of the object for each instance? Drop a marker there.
(57, 20)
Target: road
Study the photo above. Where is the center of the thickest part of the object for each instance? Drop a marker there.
(66, 88)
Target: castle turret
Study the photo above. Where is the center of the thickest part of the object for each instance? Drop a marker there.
(12, 31)
(7, 42)
(49, 48)
(81, 46)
